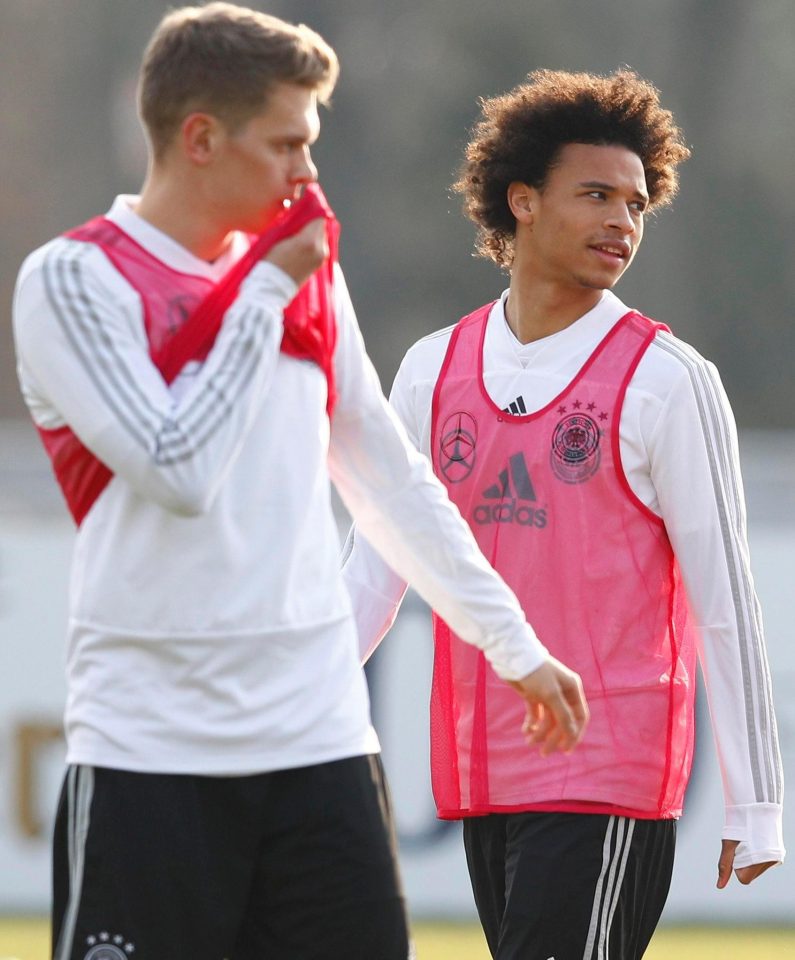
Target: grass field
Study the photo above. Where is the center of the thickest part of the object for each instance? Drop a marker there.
(29, 939)
(443, 942)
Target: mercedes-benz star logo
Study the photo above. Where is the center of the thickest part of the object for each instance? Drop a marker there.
(457, 447)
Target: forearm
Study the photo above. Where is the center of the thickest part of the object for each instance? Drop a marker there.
(86, 367)
(696, 451)
(406, 515)
(746, 746)
(198, 428)
(375, 590)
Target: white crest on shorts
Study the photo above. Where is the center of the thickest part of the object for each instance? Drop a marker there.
(103, 946)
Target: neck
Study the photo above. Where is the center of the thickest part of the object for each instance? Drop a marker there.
(174, 206)
(536, 308)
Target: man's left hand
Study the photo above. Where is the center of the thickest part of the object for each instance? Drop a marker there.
(744, 874)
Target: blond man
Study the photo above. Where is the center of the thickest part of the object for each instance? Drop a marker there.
(224, 796)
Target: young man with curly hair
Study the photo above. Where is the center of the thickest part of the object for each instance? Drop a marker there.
(198, 394)
(595, 457)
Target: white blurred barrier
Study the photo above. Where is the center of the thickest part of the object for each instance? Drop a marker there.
(34, 562)
(431, 852)
(35, 543)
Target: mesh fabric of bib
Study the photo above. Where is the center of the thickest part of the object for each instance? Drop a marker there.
(549, 504)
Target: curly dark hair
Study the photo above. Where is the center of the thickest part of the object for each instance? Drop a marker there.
(521, 133)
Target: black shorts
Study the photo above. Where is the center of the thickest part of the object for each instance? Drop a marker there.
(566, 886)
(291, 865)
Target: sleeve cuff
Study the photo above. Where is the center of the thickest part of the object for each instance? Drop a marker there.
(523, 656)
(758, 827)
(266, 278)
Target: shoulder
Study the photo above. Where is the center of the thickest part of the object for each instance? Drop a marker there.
(65, 261)
(60, 284)
(41, 277)
(57, 250)
(681, 392)
(677, 355)
(671, 364)
(423, 359)
(431, 345)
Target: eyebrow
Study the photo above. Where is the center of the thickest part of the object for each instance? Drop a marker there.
(599, 185)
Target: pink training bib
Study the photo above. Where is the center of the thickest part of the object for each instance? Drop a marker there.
(183, 314)
(546, 497)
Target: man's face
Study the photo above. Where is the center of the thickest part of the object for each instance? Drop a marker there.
(267, 161)
(587, 221)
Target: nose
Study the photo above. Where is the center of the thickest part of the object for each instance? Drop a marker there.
(305, 171)
(620, 218)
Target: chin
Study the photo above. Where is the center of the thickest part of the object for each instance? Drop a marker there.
(592, 283)
(257, 222)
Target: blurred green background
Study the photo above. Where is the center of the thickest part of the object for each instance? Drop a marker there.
(718, 267)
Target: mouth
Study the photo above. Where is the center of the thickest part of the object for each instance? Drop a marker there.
(288, 200)
(615, 251)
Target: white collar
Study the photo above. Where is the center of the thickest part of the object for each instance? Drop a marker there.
(503, 348)
(165, 248)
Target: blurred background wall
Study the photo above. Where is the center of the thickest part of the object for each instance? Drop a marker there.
(719, 268)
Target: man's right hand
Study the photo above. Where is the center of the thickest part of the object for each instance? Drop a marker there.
(557, 713)
(302, 253)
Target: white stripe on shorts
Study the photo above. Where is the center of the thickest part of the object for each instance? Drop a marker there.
(608, 886)
(79, 791)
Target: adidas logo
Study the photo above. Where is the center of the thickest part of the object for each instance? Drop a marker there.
(516, 407)
(514, 490)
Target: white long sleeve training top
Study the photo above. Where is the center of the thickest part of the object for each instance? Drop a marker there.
(679, 450)
(209, 629)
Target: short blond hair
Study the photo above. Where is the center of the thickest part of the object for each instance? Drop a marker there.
(224, 59)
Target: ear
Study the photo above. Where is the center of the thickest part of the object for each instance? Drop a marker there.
(520, 200)
(200, 137)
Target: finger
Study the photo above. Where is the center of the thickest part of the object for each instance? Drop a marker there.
(542, 723)
(556, 731)
(570, 727)
(578, 705)
(315, 226)
(747, 874)
(313, 233)
(726, 862)
(556, 742)
(533, 717)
